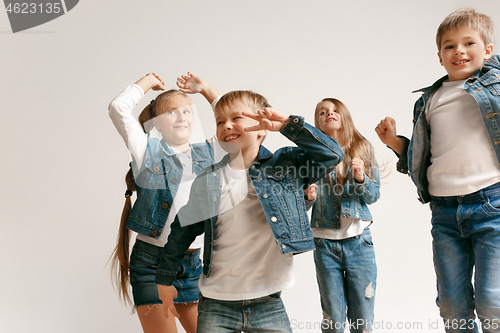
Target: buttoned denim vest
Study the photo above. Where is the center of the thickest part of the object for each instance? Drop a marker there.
(157, 182)
(279, 180)
(484, 87)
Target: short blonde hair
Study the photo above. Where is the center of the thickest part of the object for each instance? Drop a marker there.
(468, 17)
(254, 101)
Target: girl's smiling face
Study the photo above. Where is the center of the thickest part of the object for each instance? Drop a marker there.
(329, 118)
(176, 121)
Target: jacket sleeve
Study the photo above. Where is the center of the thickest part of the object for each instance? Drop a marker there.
(402, 164)
(178, 243)
(317, 155)
(181, 236)
(120, 112)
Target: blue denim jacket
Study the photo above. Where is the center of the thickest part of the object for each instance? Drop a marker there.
(279, 180)
(350, 200)
(157, 181)
(484, 87)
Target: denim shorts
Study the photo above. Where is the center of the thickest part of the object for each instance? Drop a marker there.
(143, 265)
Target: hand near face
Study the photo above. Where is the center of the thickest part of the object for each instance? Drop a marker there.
(268, 119)
(358, 168)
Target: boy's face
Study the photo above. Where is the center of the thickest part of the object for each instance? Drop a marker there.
(231, 127)
(463, 52)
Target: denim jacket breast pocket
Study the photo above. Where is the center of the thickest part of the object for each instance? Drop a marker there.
(492, 82)
(153, 174)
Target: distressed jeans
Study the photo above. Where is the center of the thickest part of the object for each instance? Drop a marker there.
(466, 242)
(264, 314)
(346, 272)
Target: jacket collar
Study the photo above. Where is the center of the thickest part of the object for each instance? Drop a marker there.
(264, 154)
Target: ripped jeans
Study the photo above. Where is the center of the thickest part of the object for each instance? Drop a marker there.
(346, 272)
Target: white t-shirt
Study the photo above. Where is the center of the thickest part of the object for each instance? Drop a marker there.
(246, 260)
(349, 227)
(463, 160)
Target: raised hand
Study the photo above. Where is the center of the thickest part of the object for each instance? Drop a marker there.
(151, 81)
(386, 131)
(190, 83)
(193, 84)
(268, 120)
(358, 168)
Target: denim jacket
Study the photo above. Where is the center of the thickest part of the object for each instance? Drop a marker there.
(157, 182)
(349, 200)
(484, 87)
(279, 180)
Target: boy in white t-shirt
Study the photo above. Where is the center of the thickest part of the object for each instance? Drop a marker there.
(251, 208)
(453, 159)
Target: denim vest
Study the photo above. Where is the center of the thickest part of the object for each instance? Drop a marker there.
(279, 180)
(484, 87)
(157, 181)
(349, 200)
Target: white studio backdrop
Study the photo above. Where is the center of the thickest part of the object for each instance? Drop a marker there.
(63, 163)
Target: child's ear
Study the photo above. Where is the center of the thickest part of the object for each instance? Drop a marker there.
(440, 59)
(489, 51)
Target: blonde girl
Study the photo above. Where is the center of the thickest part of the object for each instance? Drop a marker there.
(161, 173)
(344, 257)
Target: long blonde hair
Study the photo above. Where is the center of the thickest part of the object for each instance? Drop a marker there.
(120, 258)
(354, 144)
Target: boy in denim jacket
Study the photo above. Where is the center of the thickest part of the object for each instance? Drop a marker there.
(251, 208)
(453, 158)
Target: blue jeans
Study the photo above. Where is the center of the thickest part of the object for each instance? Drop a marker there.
(347, 277)
(264, 314)
(466, 241)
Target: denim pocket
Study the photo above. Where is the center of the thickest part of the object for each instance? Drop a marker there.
(434, 206)
(491, 205)
(147, 259)
(366, 239)
(143, 266)
(317, 241)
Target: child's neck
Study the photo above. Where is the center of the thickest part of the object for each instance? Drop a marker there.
(183, 148)
(243, 159)
(336, 135)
